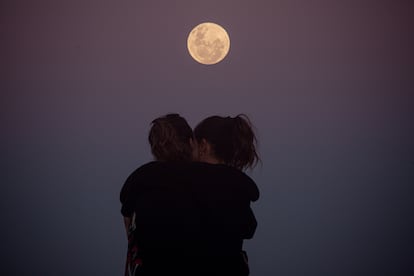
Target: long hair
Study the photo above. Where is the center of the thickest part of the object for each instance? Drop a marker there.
(232, 139)
(169, 138)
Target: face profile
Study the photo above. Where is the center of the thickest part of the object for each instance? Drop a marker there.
(195, 150)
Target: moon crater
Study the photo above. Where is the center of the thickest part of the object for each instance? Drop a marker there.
(208, 43)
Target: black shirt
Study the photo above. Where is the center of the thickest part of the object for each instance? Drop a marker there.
(190, 211)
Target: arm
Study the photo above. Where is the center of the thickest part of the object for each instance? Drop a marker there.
(251, 224)
(127, 223)
(127, 209)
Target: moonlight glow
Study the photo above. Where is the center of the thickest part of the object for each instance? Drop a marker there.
(208, 43)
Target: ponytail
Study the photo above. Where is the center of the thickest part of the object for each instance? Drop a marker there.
(244, 143)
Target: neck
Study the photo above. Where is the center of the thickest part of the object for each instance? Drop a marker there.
(211, 160)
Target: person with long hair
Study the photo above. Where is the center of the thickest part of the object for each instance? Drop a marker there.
(226, 147)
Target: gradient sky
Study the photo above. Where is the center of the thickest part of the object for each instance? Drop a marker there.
(327, 84)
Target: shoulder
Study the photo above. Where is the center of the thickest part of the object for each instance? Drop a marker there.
(245, 182)
(138, 177)
(152, 169)
(222, 176)
(158, 173)
(143, 169)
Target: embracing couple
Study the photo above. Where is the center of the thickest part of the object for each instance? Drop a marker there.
(188, 212)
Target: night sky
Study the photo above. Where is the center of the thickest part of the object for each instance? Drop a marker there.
(327, 84)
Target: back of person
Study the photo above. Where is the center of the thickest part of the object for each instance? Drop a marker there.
(154, 204)
(192, 218)
(167, 220)
(223, 197)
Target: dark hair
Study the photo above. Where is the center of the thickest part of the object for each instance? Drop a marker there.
(232, 139)
(169, 138)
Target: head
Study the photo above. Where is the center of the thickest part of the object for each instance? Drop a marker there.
(171, 138)
(227, 140)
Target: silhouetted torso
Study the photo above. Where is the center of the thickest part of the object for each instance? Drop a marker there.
(191, 218)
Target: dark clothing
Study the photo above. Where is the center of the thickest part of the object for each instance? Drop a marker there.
(191, 218)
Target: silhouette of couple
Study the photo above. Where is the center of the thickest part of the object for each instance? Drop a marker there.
(188, 212)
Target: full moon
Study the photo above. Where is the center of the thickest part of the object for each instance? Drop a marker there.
(208, 43)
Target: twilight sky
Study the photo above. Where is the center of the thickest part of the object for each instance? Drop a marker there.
(328, 85)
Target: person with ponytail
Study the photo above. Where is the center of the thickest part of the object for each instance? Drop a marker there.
(226, 147)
